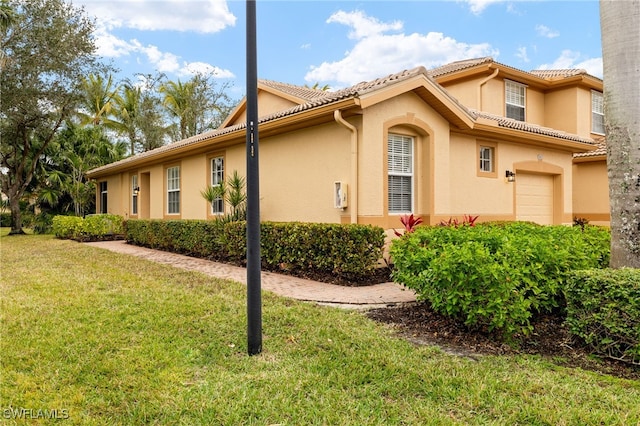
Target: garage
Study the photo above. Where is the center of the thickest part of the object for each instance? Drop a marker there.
(534, 198)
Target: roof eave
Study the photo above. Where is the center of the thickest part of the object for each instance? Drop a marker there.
(529, 138)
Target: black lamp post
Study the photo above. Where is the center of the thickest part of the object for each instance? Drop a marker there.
(254, 296)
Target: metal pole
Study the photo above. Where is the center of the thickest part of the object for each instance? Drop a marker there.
(254, 296)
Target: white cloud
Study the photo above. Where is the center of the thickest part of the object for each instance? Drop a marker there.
(547, 32)
(193, 68)
(110, 46)
(204, 16)
(478, 6)
(522, 54)
(569, 59)
(362, 26)
(376, 54)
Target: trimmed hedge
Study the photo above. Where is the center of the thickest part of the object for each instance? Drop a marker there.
(347, 251)
(90, 228)
(496, 275)
(603, 309)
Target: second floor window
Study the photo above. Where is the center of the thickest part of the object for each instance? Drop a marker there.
(173, 190)
(597, 113)
(515, 100)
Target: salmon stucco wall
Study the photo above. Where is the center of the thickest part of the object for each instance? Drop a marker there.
(591, 192)
(298, 171)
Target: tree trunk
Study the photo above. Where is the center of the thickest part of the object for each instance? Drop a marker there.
(620, 26)
(16, 216)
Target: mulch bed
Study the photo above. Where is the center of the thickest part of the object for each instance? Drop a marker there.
(550, 339)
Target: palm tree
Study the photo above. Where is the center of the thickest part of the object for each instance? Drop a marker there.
(98, 99)
(620, 27)
(178, 99)
(127, 110)
(7, 15)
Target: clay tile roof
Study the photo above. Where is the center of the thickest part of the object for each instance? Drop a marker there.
(601, 143)
(563, 73)
(353, 91)
(301, 92)
(529, 127)
(459, 66)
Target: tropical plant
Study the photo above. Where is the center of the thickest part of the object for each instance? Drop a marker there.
(410, 222)
(99, 96)
(233, 193)
(49, 48)
(196, 105)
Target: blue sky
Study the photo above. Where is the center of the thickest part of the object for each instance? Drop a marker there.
(341, 43)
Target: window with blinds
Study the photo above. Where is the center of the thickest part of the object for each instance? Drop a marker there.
(217, 179)
(486, 159)
(597, 112)
(515, 100)
(400, 173)
(173, 190)
(134, 194)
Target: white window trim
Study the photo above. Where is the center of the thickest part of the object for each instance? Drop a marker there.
(594, 94)
(484, 161)
(508, 83)
(215, 172)
(171, 189)
(409, 173)
(134, 195)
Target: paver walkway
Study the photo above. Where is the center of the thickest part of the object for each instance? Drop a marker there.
(283, 285)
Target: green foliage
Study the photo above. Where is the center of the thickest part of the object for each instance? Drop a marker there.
(47, 49)
(67, 227)
(496, 275)
(603, 309)
(91, 228)
(5, 219)
(118, 340)
(348, 251)
(233, 193)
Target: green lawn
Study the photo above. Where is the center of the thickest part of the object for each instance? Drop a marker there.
(108, 339)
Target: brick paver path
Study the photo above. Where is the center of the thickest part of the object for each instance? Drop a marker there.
(283, 285)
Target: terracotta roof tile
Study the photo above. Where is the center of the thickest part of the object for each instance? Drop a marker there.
(459, 66)
(562, 73)
(301, 92)
(529, 127)
(601, 143)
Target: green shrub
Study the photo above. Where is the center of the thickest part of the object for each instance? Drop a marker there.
(496, 275)
(67, 227)
(603, 309)
(5, 219)
(348, 251)
(93, 227)
(102, 225)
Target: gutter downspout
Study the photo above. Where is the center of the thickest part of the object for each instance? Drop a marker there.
(482, 83)
(337, 115)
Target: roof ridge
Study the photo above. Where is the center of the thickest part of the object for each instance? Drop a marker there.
(298, 91)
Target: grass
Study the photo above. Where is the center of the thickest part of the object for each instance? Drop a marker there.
(115, 340)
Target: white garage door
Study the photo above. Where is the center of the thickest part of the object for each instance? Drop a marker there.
(534, 198)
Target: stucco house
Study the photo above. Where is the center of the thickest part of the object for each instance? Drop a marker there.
(472, 137)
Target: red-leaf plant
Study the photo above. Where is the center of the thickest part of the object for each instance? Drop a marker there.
(468, 220)
(410, 223)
